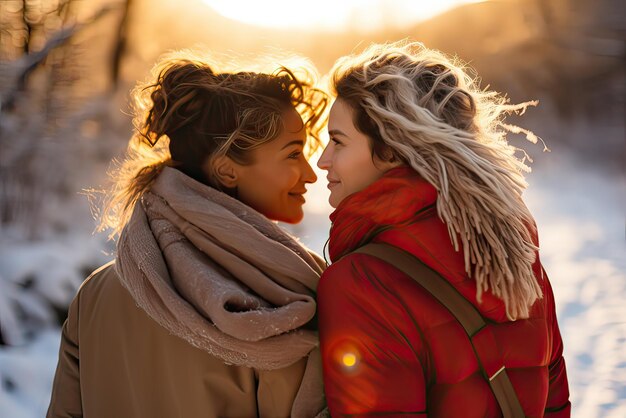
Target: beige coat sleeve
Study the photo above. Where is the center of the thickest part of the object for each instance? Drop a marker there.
(65, 401)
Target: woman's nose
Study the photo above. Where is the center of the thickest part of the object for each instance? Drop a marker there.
(309, 175)
(324, 161)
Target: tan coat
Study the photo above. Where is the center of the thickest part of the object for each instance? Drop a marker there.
(109, 350)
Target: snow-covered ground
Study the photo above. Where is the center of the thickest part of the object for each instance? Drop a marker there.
(581, 219)
(582, 228)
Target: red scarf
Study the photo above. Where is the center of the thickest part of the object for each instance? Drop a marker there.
(392, 200)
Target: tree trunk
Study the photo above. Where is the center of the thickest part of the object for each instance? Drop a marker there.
(120, 45)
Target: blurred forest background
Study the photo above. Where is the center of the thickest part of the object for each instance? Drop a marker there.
(66, 68)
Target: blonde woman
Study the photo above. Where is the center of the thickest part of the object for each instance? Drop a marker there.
(207, 310)
(417, 160)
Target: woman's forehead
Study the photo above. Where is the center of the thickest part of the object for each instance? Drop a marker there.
(292, 122)
(341, 118)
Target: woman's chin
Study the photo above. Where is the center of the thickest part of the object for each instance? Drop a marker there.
(292, 218)
(333, 202)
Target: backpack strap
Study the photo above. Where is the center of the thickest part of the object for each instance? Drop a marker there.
(480, 334)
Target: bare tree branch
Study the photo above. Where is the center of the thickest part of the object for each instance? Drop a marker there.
(30, 62)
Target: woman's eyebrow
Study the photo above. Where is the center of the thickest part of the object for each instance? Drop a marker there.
(336, 132)
(295, 142)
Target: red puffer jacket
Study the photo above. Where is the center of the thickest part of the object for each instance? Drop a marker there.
(390, 349)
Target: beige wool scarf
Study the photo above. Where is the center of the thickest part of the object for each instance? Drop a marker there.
(223, 277)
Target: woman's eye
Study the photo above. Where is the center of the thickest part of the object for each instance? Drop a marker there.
(295, 155)
(335, 141)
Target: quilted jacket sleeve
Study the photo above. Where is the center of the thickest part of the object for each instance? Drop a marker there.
(66, 398)
(370, 366)
(558, 405)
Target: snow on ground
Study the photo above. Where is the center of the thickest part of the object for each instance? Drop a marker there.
(37, 282)
(581, 219)
(580, 214)
(27, 374)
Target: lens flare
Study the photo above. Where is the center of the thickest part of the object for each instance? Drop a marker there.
(348, 360)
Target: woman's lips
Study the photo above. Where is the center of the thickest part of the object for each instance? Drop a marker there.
(298, 196)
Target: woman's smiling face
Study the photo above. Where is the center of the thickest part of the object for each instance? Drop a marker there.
(348, 156)
(274, 184)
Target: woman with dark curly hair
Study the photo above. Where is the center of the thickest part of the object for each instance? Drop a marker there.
(428, 196)
(207, 310)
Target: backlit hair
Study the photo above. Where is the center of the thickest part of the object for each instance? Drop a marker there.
(418, 106)
(190, 113)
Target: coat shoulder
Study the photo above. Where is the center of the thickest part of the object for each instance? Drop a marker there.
(101, 273)
(347, 272)
(103, 280)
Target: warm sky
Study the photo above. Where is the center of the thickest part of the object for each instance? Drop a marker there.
(332, 14)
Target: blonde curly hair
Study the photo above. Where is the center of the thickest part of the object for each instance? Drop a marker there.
(418, 106)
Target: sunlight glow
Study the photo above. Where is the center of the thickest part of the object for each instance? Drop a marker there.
(361, 15)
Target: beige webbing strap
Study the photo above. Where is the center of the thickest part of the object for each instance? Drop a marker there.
(479, 333)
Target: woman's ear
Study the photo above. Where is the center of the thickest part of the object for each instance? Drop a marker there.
(226, 171)
(388, 160)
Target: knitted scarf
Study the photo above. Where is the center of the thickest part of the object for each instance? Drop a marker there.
(223, 277)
